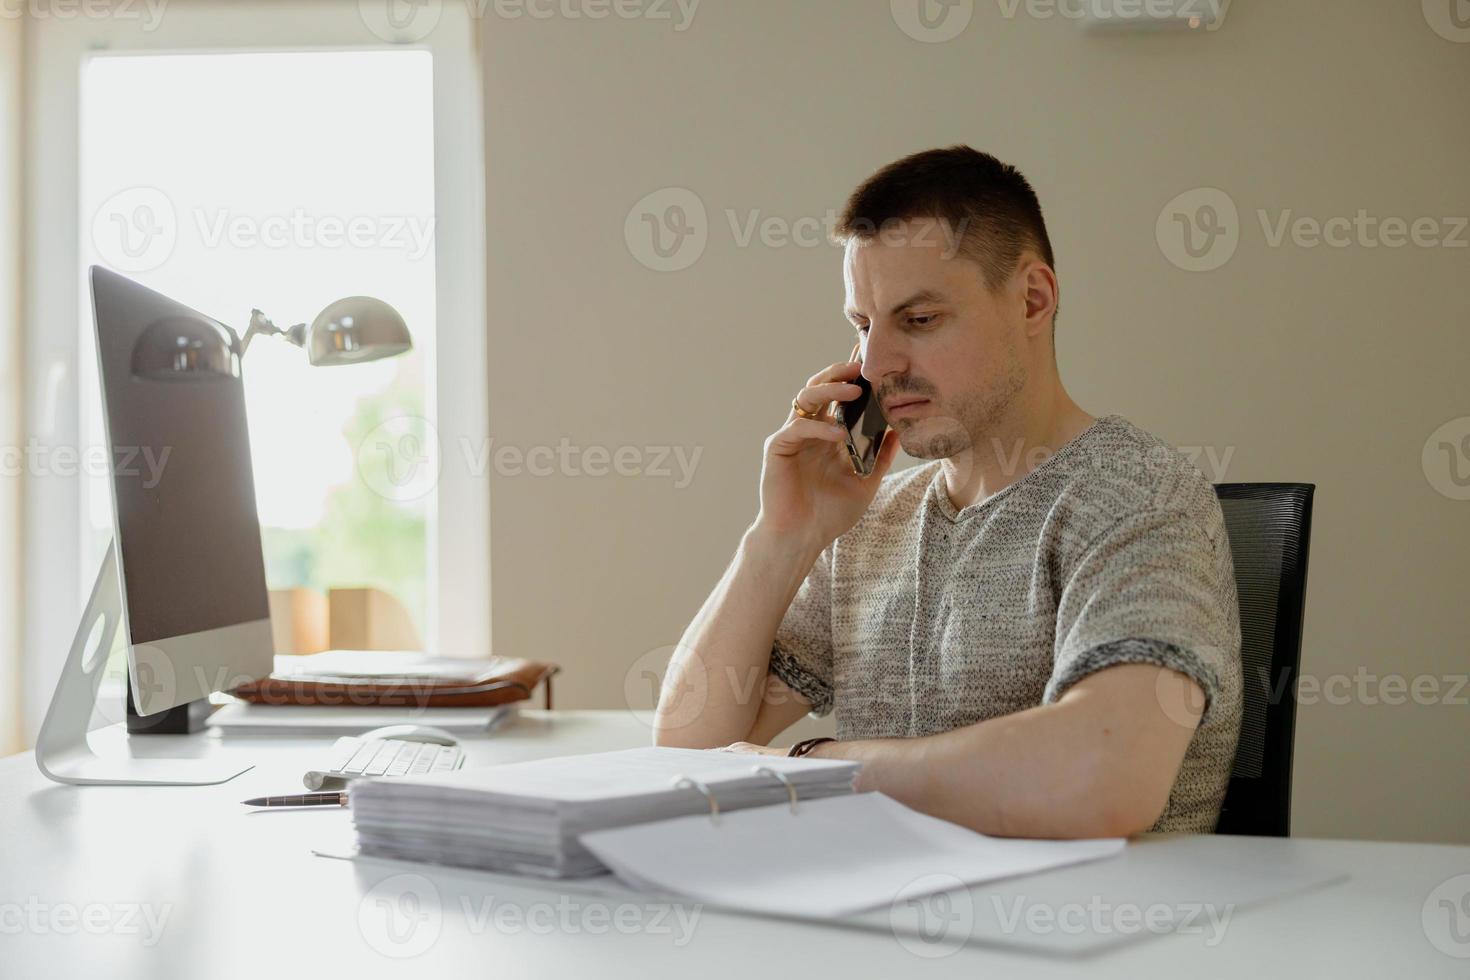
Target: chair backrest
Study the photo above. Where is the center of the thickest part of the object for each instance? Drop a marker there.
(1270, 528)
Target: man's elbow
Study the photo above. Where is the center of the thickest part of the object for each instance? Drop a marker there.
(678, 738)
(1124, 805)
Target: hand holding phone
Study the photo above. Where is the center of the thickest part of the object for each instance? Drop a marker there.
(810, 491)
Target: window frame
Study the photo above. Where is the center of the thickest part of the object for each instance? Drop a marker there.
(55, 297)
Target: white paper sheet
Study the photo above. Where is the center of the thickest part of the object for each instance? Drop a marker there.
(835, 856)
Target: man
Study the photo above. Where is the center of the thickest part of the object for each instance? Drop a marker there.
(1034, 635)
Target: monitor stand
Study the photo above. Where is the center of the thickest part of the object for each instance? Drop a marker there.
(62, 750)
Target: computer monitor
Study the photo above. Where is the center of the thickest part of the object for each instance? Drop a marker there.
(184, 579)
(196, 612)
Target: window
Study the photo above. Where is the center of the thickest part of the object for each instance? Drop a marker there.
(217, 163)
(282, 181)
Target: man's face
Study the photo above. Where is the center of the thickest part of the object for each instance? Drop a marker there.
(946, 357)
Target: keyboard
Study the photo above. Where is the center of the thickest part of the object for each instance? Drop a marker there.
(354, 758)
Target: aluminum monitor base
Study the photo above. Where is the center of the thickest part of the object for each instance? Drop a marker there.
(62, 750)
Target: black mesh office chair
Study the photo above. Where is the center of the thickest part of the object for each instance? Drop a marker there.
(1270, 528)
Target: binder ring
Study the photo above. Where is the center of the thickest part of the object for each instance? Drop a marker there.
(681, 782)
(785, 781)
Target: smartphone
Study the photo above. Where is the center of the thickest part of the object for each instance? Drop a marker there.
(865, 425)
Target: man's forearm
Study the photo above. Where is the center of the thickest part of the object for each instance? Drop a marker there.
(1059, 770)
(717, 676)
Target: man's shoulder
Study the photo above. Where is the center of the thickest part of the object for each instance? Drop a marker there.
(1123, 470)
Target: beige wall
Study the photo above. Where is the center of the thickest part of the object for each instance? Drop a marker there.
(1308, 364)
(11, 31)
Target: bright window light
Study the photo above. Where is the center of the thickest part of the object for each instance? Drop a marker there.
(282, 181)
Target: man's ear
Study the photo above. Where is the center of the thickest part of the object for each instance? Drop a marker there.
(1038, 292)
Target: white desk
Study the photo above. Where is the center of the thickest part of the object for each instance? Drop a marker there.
(80, 867)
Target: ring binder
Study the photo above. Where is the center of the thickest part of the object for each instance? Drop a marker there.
(785, 781)
(680, 782)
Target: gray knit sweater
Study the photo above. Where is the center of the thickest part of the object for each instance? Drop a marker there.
(922, 619)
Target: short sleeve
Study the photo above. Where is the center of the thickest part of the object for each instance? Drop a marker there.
(802, 653)
(1154, 588)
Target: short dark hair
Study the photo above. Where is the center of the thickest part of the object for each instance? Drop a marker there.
(990, 204)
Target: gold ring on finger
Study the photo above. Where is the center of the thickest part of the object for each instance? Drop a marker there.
(803, 413)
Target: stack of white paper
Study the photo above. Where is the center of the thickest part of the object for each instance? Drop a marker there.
(526, 817)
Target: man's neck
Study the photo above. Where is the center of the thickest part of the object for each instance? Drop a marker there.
(1009, 450)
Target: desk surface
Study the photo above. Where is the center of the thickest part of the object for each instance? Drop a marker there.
(129, 882)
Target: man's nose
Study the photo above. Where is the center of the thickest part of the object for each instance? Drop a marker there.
(881, 356)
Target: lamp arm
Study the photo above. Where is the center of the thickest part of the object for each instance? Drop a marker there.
(261, 325)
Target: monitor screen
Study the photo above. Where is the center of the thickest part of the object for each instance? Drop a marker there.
(197, 610)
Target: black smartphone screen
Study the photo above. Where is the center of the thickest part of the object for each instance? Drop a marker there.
(865, 427)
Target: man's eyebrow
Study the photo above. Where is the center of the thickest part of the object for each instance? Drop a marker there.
(922, 296)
